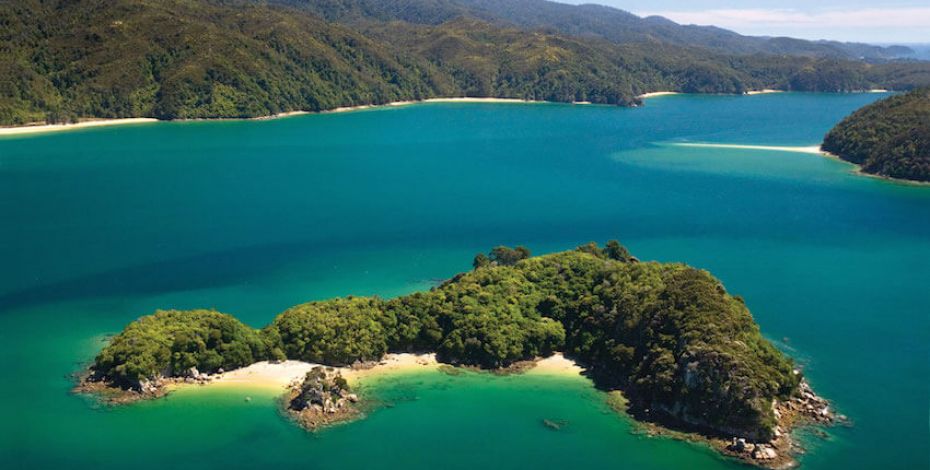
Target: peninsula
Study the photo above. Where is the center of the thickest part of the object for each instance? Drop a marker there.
(685, 353)
(889, 138)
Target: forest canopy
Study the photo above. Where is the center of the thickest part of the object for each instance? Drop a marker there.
(890, 137)
(62, 61)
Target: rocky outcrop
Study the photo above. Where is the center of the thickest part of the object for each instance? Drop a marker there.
(803, 409)
(143, 389)
(322, 398)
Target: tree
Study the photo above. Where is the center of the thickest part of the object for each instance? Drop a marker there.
(506, 256)
(615, 251)
(481, 260)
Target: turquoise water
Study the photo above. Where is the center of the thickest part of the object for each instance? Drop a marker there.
(103, 225)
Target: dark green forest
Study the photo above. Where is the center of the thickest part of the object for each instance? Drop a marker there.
(890, 137)
(62, 61)
(668, 335)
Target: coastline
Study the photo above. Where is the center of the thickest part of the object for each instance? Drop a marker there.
(287, 379)
(283, 375)
(764, 91)
(655, 94)
(92, 122)
(811, 150)
(43, 128)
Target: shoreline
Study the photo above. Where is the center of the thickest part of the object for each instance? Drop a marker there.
(30, 129)
(43, 128)
(94, 122)
(283, 375)
(764, 91)
(810, 150)
(287, 379)
(654, 94)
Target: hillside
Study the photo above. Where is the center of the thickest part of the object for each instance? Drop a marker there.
(188, 59)
(182, 59)
(888, 138)
(588, 20)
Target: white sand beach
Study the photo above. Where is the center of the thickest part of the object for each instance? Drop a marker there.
(41, 128)
(279, 375)
(764, 91)
(813, 149)
(658, 93)
(556, 364)
(431, 100)
(21, 130)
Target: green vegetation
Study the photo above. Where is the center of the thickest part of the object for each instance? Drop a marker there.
(336, 332)
(178, 59)
(888, 138)
(170, 342)
(668, 335)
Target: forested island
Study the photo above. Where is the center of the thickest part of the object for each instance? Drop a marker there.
(888, 138)
(686, 354)
(64, 61)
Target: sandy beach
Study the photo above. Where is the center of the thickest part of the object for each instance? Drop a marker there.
(280, 375)
(42, 128)
(67, 127)
(556, 364)
(813, 149)
(764, 91)
(657, 93)
(430, 100)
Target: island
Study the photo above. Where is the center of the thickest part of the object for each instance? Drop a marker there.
(888, 138)
(684, 353)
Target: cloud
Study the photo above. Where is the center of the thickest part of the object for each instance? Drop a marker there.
(755, 19)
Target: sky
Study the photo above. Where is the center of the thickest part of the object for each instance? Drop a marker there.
(874, 21)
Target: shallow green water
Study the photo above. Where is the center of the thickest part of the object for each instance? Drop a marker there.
(101, 226)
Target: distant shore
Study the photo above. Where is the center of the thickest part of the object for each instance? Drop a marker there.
(764, 91)
(42, 128)
(654, 94)
(89, 123)
(45, 128)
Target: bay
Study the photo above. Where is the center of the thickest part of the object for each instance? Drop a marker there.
(101, 226)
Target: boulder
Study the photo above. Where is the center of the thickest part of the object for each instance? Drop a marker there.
(763, 452)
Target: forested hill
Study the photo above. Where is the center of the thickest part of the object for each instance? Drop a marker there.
(66, 60)
(668, 335)
(888, 138)
(588, 20)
